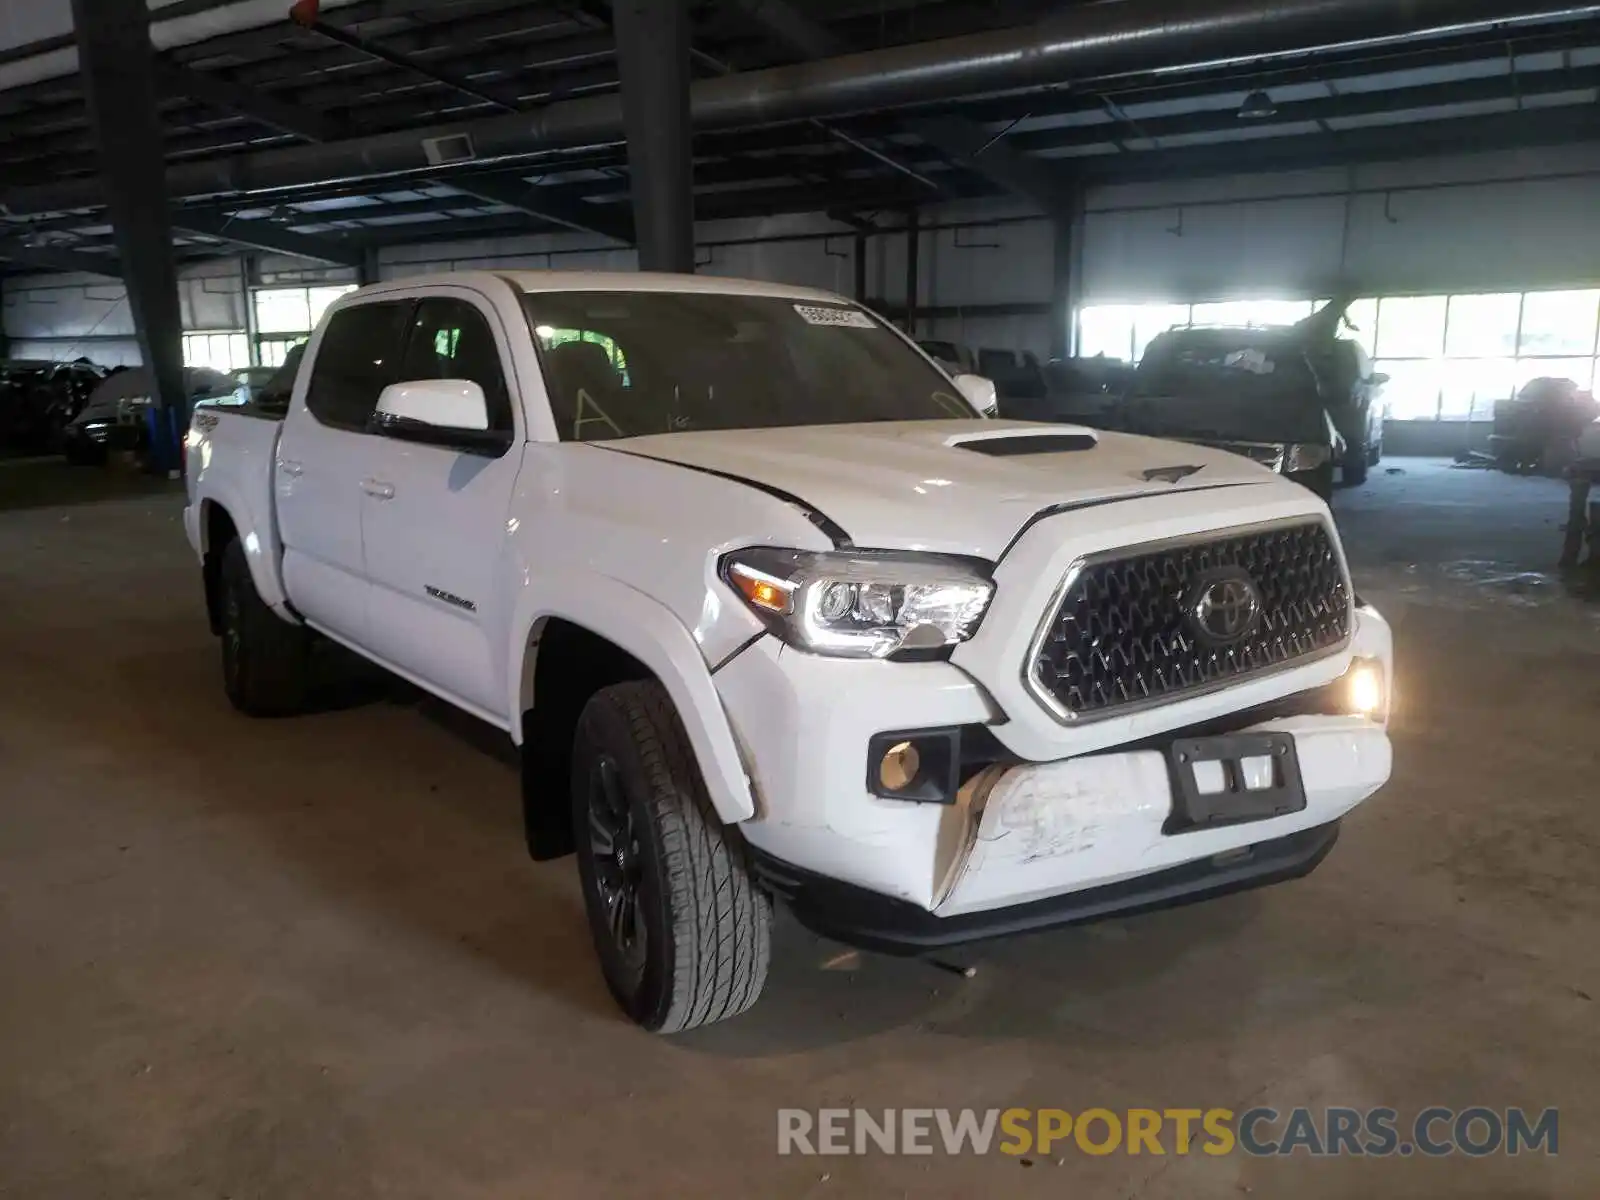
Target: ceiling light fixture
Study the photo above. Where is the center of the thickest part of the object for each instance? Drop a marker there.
(1257, 106)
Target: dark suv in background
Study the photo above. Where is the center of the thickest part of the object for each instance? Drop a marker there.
(1298, 398)
(1251, 391)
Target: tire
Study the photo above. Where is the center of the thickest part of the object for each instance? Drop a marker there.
(265, 660)
(1355, 466)
(80, 452)
(1375, 455)
(681, 929)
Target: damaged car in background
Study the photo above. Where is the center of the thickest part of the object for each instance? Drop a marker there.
(1297, 398)
(39, 400)
(1250, 391)
(116, 416)
(1292, 399)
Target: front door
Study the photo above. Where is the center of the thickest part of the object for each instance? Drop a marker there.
(434, 521)
(323, 457)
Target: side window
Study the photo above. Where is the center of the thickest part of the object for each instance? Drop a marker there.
(451, 339)
(358, 358)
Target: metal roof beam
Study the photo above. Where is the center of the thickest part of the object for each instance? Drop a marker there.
(1084, 41)
(1326, 108)
(1386, 143)
(264, 235)
(57, 258)
(546, 204)
(173, 80)
(963, 141)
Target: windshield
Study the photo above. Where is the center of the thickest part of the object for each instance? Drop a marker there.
(1222, 363)
(624, 364)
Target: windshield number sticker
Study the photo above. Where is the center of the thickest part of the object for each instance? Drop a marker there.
(847, 318)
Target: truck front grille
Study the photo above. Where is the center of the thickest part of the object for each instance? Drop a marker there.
(1128, 630)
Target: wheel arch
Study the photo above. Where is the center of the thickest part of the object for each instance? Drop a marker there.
(224, 516)
(583, 634)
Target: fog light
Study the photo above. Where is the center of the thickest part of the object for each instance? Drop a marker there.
(898, 770)
(1364, 689)
(921, 765)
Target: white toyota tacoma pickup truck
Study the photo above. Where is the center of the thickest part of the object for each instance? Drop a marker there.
(774, 612)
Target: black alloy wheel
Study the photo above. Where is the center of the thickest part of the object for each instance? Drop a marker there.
(618, 862)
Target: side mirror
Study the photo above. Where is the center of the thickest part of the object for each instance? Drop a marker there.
(979, 392)
(439, 412)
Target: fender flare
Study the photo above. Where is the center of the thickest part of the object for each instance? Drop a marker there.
(260, 545)
(651, 633)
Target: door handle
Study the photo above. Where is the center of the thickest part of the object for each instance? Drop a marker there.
(291, 468)
(378, 488)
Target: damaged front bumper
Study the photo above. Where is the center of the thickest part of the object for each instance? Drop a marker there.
(873, 921)
(1029, 841)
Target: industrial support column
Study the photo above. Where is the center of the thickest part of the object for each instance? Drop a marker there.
(1068, 229)
(116, 62)
(653, 55)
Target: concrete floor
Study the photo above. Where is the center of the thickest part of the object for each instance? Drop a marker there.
(309, 958)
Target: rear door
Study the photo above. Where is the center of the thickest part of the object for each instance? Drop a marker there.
(435, 527)
(326, 456)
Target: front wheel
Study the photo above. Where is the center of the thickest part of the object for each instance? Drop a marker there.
(682, 931)
(1356, 464)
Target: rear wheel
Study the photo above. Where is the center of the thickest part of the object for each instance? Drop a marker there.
(266, 661)
(682, 931)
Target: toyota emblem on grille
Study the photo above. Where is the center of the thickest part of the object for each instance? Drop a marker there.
(1226, 607)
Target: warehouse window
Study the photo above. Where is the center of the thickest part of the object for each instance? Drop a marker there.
(295, 309)
(1447, 357)
(286, 316)
(273, 351)
(1412, 326)
(1106, 329)
(1256, 313)
(1455, 357)
(1152, 319)
(222, 351)
(1124, 330)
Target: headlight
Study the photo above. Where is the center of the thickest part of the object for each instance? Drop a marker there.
(1305, 456)
(857, 604)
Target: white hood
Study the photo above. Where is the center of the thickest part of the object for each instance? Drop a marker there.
(919, 485)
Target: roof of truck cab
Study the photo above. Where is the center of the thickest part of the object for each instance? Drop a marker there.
(610, 281)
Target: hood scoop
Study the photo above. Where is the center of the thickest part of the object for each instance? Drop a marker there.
(1043, 439)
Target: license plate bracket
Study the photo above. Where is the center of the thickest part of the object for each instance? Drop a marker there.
(1258, 774)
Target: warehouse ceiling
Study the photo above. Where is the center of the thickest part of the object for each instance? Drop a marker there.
(375, 67)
